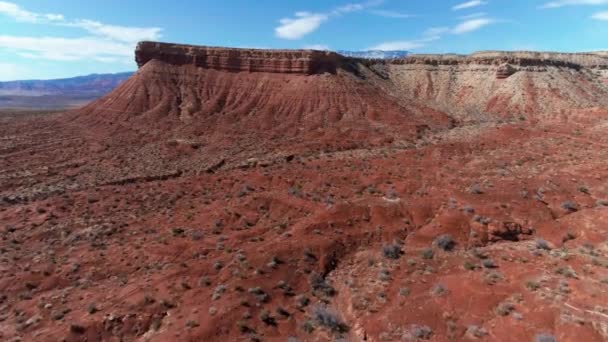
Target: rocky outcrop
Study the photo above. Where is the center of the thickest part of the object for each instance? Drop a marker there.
(504, 71)
(233, 59)
(521, 59)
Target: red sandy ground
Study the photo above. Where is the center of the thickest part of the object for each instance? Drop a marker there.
(111, 233)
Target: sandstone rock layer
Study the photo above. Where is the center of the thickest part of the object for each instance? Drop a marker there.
(231, 59)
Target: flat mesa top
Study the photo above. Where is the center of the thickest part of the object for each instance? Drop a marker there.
(145, 45)
(312, 61)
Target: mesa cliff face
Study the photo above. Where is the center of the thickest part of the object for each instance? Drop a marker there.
(490, 86)
(486, 86)
(232, 59)
(203, 93)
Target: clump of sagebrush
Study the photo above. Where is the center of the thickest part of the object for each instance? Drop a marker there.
(439, 290)
(542, 244)
(309, 255)
(427, 253)
(392, 251)
(308, 327)
(469, 266)
(532, 285)
(385, 275)
(570, 206)
(544, 338)
(445, 242)
(274, 262)
(476, 331)
(505, 308)
(566, 271)
(259, 294)
(192, 324)
(302, 301)
(287, 290)
(218, 291)
(318, 284)
(327, 318)
(491, 278)
(475, 189)
(267, 318)
(282, 312)
(488, 263)
(422, 332)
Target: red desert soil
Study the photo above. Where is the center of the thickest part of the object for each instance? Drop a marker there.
(256, 195)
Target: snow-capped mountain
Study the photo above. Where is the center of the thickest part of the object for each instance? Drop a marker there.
(374, 54)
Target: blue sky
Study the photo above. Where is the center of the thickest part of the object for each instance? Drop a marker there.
(62, 38)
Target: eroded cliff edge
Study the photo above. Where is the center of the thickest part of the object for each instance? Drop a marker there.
(235, 59)
(314, 61)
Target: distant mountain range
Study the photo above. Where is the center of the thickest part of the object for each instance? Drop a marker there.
(95, 84)
(59, 93)
(374, 54)
(77, 91)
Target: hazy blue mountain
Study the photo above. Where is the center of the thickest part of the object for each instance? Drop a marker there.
(95, 84)
(58, 93)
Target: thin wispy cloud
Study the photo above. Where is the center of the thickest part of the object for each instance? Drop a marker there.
(600, 16)
(563, 3)
(392, 14)
(119, 33)
(104, 42)
(14, 11)
(303, 23)
(469, 4)
(472, 25)
(473, 16)
(436, 31)
(66, 49)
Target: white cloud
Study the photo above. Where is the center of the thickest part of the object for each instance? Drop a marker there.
(303, 23)
(472, 16)
(356, 7)
(392, 14)
(13, 10)
(66, 49)
(472, 25)
(469, 4)
(104, 43)
(321, 47)
(600, 15)
(436, 31)
(119, 33)
(562, 3)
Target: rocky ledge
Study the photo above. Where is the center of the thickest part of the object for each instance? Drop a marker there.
(316, 62)
(233, 59)
(513, 58)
